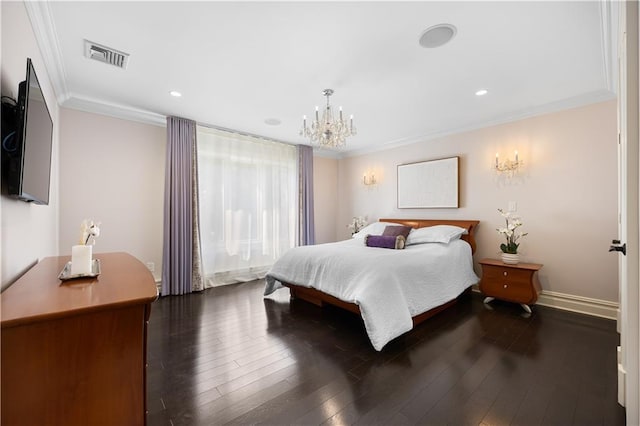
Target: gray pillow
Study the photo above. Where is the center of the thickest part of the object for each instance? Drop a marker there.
(394, 231)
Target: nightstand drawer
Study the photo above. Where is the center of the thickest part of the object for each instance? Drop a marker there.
(507, 275)
(513, 291)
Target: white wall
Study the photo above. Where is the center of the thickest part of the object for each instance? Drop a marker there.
(29, 232)
(325, 198)
(112, 171)
(567, 194)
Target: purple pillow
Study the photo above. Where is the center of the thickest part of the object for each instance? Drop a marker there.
(385, 241)
(394, 231)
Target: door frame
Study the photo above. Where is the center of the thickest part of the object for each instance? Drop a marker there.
(628, 119)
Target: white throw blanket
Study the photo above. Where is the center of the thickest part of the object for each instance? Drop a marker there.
(389, 286)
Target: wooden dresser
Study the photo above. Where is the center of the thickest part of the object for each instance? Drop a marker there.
(514, 283)
(74, 352)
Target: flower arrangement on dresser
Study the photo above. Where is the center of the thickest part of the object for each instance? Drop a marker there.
(82, 253)
(512, 235)
(88, 230)
(357, 223)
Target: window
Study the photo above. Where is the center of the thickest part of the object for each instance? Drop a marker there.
(248, 204)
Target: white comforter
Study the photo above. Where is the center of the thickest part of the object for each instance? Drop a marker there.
(389, 286)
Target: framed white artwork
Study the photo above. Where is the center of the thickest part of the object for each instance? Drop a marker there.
(429, 184)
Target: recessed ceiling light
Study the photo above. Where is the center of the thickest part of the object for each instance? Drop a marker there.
(437, 35)
(175, 93)
(482, 92)
(272, 121)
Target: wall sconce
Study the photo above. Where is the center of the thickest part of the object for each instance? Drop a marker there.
(369, 179)
(509, 167)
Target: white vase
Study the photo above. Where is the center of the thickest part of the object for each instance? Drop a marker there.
(510, 259)
(81, 259)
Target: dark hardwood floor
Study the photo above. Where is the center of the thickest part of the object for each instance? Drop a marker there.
(228, 355)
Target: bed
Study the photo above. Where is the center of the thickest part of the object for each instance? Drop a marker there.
(392, 290)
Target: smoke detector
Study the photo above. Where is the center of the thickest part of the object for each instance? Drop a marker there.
(105, 54)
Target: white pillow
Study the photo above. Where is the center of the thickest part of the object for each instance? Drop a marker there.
(435, 234)
(375, 228)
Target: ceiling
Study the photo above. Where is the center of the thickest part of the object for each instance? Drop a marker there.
(238, 64)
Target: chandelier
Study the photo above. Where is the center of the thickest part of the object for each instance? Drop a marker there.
(325, 131)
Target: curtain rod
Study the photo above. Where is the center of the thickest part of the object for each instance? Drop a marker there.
(237, 132)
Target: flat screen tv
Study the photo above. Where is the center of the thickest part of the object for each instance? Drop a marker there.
(26, 149)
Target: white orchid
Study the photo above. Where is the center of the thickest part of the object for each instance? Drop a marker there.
(506, 231)
(515, 222)
(357, 223)
(88, 229)
(512, 223)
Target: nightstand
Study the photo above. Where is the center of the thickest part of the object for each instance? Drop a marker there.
(514, 283)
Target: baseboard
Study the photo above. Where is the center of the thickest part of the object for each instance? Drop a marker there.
(552, 299)
(583, 305)
(579, 304)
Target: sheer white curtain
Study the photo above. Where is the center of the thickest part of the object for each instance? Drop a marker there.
(248, 204)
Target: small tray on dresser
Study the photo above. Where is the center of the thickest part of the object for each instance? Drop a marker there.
(65, 274)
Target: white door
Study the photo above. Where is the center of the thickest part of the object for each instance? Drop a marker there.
(629, 184)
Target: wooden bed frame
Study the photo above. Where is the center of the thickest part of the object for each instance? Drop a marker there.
(319, 298)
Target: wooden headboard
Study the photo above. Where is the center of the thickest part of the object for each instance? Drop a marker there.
(470, 225)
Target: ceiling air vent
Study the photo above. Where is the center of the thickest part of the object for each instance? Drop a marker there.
(105, 54)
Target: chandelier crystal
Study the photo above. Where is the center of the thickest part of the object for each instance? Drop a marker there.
(325, 131)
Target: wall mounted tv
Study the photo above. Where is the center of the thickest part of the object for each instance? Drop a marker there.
(27, 137)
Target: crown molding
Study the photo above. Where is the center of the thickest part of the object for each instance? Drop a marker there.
(98, 106)
(569, 103)
(326, 153)
(125, 112)
(45, 33)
